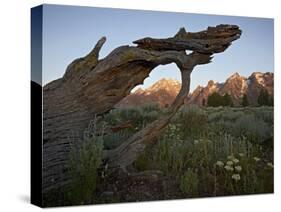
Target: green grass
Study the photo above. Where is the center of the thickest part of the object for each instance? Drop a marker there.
(189, 183)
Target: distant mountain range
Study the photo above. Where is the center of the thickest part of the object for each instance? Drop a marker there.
(164, 91)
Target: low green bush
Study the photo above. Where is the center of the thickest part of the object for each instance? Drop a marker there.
(84, 161)
(189, 183)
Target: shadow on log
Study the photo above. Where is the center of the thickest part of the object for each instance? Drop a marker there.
(92, 86)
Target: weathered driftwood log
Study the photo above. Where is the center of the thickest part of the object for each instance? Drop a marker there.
(92, 86)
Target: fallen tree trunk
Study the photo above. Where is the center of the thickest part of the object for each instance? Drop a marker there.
(129, 150)
(92, 86)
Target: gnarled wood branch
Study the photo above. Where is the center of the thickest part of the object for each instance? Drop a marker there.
(91, 86)
(213, 40)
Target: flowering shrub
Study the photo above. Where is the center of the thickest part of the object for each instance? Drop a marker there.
(209, 151)
(226, 164)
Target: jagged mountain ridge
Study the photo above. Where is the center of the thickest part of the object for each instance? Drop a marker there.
(236, 86)
(164, 91)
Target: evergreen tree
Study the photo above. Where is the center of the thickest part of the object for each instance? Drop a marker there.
(245, 101)
(214, 100)
(263, 98)
(271, 101)
(226, 100)
(203, 102)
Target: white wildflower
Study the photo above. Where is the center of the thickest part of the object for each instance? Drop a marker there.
(270, 165)
(235, 160)
(230, 157)
(257, 159)
(238, 168)
(196, 141)
(241, 154)
(219, 163)
(228, 168)
(236, 177)
(229, 163)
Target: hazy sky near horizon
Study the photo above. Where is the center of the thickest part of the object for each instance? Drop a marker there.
(70, 32)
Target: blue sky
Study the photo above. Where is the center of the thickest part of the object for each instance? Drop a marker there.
(70, 32)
